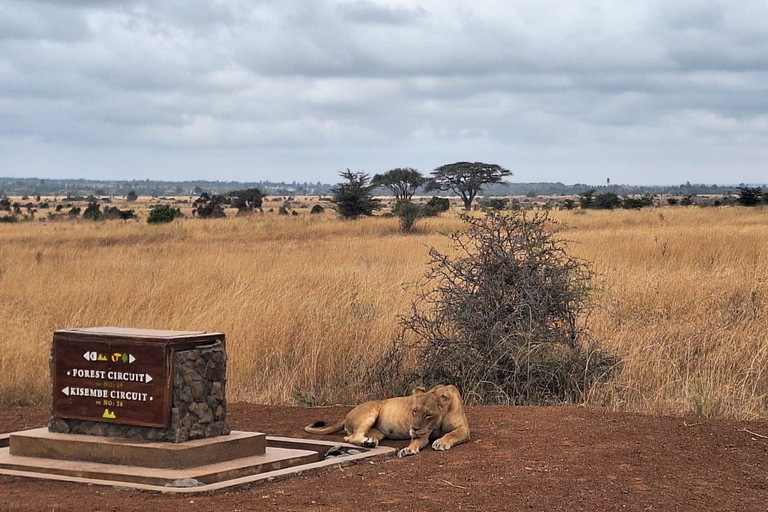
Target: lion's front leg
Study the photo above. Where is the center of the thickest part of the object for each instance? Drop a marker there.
(460, 435)
(414, 447)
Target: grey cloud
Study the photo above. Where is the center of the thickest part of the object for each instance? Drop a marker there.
(304, 85)
(27, 21)
(368, 12)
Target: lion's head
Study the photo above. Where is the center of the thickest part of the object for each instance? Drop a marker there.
(426, 413)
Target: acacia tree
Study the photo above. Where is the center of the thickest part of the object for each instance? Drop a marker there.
(403, 182)
(466, 179)
(355, 197)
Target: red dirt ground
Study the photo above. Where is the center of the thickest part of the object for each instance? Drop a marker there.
(519, 458)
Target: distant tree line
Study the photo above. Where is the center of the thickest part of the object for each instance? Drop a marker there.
(157, 188)
(151, 188)
(591, 199)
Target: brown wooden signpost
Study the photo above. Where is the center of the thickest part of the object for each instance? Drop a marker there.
(118, 375)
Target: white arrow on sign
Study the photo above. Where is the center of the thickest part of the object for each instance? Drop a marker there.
(90, 356)
(149, 378)
(65, 391)
(131, 358)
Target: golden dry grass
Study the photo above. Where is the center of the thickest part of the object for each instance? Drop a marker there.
(303, 299)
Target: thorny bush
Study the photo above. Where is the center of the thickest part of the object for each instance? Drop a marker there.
(504, 319)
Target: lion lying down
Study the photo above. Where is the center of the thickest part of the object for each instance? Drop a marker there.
(437, 414)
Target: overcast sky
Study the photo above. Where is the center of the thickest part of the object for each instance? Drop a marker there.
(578, 91)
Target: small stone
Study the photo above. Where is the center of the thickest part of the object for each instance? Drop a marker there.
(98, 429)
(182, 435)
(198, 389)
(155, 434)
(217, 391)
(80, 427)
(186, 421)
(199, 366)
(117, 431)
(211, 371)
(135, 434)
(206, 389)
(184, 483)
(205, 413)
(187, 372)
(58, 425)
(186, 395)
(183, 412)
(197, 431)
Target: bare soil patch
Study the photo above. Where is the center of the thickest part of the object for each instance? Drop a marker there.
(519, 458)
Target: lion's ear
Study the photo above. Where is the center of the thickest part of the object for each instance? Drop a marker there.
(444, 397)
(418, 390)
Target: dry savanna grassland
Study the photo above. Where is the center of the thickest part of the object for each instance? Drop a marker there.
(303, 299)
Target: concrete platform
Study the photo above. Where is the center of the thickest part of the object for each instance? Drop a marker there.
(282, 457)
(42, 444)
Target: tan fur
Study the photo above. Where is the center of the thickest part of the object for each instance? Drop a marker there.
(437, 414)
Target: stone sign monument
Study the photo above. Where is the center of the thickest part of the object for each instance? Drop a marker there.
(139, 383)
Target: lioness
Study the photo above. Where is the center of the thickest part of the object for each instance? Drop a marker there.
(435, 414)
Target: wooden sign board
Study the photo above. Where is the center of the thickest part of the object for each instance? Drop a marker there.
(118, 375)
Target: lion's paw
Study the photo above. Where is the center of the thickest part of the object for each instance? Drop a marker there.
(369, 442)
(406, 452)
(440, 445)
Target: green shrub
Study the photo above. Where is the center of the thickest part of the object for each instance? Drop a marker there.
(635, 203)
(606, 201)
(504, 320)
(209, 207)
(163, 213)
(113, 212)
(92, 211)
(408, 213)
(436, 206)
(750, 196)
(494, 203)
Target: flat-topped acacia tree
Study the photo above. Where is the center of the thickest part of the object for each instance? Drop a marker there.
(402, 181)
(466, 179)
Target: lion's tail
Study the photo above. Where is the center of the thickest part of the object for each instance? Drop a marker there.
(320, 427)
